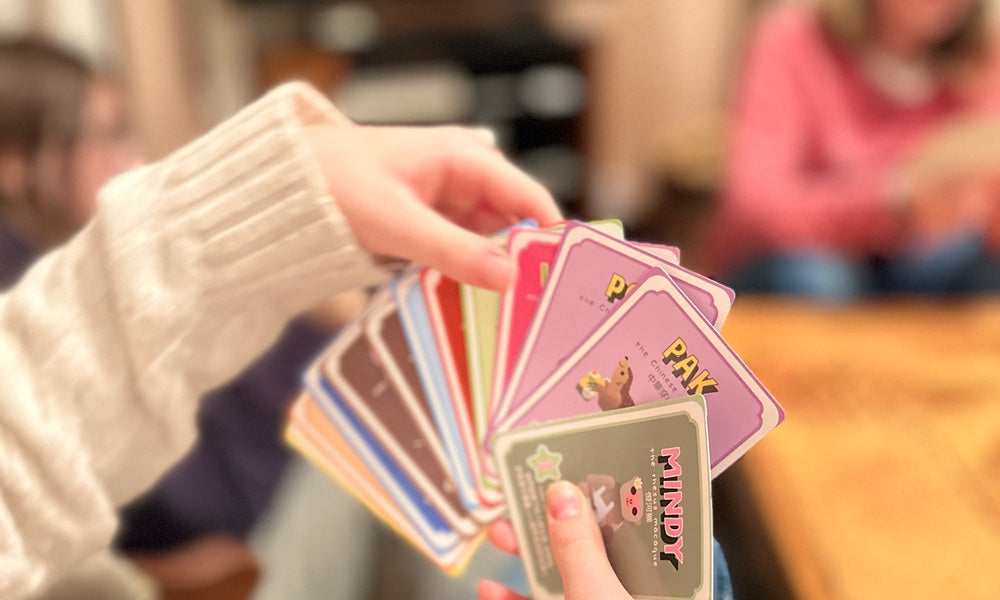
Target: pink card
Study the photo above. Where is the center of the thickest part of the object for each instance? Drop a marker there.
(656, 346)
(533, 251)
(592, 274)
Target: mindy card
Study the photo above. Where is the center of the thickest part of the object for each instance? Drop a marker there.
(645, 472)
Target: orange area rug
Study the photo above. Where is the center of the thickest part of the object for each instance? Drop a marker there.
(884, 481)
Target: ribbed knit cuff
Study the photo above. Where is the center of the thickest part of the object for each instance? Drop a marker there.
(243, 236)
(268, 226)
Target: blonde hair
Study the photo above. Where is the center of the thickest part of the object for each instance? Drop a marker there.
(848, 23)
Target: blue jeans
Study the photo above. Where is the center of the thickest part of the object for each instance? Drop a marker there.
(961, 266)
(722, 585)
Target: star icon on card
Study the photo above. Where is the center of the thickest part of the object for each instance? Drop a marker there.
(545, 464)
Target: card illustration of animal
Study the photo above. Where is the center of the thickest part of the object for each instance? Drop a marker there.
(610, 393)
(613, 504)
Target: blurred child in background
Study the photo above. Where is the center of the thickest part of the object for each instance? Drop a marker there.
(63, 133)
(825, 194)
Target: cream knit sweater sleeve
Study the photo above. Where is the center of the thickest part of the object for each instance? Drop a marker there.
(189, 270)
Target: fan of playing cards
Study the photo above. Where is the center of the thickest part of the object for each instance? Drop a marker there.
(444, 407)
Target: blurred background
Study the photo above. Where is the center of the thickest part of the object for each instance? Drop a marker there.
(884, 480)
(566, 85)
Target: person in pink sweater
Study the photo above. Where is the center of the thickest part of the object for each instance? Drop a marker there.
(837, 100)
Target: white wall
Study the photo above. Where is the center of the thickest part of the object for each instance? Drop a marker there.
(656, 67)
(84, 26)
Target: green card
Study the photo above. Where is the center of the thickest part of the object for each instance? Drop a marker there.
(644, 469)
(480, 313)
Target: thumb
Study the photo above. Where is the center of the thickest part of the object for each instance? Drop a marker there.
(577, 546)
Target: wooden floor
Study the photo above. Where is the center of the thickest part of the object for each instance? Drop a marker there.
(884, 481)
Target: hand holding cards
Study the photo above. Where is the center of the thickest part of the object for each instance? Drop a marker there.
(645, 472)
(601, 365)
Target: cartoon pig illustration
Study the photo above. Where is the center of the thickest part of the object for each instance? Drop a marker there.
(631, 499)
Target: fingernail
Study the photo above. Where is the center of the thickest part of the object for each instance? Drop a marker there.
(563, 500)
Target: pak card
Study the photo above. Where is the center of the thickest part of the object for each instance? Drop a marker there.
(452, 421)
(591, 276)
(442, 297)
(657, 345)
(483, 335)
(533, 251)
(311, 434)
(347, 378)
(650, 495)
(402, 421)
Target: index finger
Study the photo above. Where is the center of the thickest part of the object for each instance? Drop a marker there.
(481, 174)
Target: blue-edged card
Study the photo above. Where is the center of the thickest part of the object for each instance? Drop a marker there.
(426, 354)
(402, 422)
(345, 370)
(312, 434)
